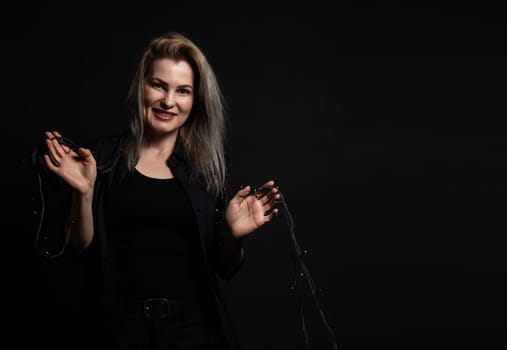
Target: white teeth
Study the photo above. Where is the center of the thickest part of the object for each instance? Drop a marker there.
(164, 114)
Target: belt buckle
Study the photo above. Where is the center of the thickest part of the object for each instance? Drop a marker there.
(156, 308)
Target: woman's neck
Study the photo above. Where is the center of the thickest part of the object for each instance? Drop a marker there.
(159, 145)
(153, 156)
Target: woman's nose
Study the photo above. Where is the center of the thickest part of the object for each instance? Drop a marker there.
(168, 100)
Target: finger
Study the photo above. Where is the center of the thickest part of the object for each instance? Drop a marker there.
(85, 153)
(270, 199)
(270, 196)
(268, 207)
(53, 135)
(65, 148)
(269, 183)
(243, 193)
(263, 192)
(53, 144)
(50, 162)
(265, 200)
(54, 147)
(271, 215)
(59, 147)
(53, 154)
(50, 136)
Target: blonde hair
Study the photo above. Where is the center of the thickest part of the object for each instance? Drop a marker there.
(203, 134)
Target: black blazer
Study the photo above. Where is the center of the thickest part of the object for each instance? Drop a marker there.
(98, 264)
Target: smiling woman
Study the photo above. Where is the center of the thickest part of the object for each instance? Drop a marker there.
(168, 100)
(151, 217)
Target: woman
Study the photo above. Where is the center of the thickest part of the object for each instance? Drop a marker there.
(151, 217)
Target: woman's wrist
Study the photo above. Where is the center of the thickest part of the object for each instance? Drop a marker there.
(82, 198)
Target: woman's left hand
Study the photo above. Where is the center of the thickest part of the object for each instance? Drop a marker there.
(246, 213)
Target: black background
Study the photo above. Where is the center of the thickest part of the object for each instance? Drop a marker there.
(381, 124)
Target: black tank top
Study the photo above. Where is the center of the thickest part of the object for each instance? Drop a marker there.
(157, 240)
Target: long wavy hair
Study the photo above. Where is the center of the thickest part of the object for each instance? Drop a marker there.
(203, 134)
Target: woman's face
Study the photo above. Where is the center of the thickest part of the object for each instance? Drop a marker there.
(168, 95)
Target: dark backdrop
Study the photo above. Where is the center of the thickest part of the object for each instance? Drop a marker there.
(382, 125)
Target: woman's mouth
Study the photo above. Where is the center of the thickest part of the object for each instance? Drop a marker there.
(164, 115)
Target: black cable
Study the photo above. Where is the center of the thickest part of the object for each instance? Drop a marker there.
(300, 270)
(36, 161)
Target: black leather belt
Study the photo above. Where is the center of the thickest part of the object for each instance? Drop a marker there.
(160, 308)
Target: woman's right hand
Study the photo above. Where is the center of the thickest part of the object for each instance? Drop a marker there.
(79, 171)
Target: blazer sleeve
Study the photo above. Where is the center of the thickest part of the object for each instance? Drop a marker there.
(221, 225)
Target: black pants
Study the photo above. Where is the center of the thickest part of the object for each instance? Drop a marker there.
(196, 330)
